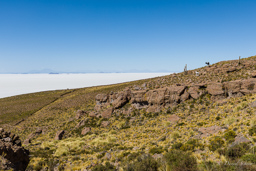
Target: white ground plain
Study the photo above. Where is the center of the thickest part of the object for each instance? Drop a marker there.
(16, 84)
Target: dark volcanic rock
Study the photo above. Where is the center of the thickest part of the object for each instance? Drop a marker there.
(14, 156)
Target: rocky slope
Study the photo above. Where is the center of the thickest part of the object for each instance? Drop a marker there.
(206, 112)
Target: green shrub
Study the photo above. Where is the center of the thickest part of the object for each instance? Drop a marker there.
(175, 135)
(252, 130)
(218, 118)
(143, 163)
(156, 150)
(107, 167)
(180, 161)
(249, 158)
(222, 151)
(230, 136)
(177, 146)
(133, 156)
(237, 151)
(191, 144)
(215, 143)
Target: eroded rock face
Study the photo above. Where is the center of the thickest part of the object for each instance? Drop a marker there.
(13, 155)
(154, 100)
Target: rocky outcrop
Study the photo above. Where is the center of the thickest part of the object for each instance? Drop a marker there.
(14, 156)
(154, 100)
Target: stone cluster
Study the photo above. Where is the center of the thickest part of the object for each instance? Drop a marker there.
(13, 155)
(154, 100)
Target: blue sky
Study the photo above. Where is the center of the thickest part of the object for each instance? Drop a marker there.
(123, 35)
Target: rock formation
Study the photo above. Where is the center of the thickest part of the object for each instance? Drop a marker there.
(154, 100)
(13, 155)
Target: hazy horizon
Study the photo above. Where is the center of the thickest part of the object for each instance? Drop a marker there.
(17, 84)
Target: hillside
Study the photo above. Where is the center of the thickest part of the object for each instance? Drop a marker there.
(207, 113)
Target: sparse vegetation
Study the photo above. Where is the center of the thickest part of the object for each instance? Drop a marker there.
(131, 135)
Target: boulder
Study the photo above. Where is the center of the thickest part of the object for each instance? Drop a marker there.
(15, 156)
(80, 113)
(80, 124)
(173, 118)
(215, 89)
(59, 135)
(101, 98)
(156, 97)
(194, 92)
(122, 99)
(232, 87)
(185, 96)
(86, 130)
(93, 114)
(98, 107)
(105, 123)
(153, 109)
(173, 94)
(248, 86)
(138, 97)
(107, 113)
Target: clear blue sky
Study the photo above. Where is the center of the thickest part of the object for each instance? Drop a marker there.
(123, 35)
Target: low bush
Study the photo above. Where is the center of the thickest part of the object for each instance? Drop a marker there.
(249, 158)
(156, 150)
(215, 143)
(177, 146)
(191, 144)
(237, 151)
(252, 130)
(107, 167)
(230, 136)
(180, 161)
(143, 163)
